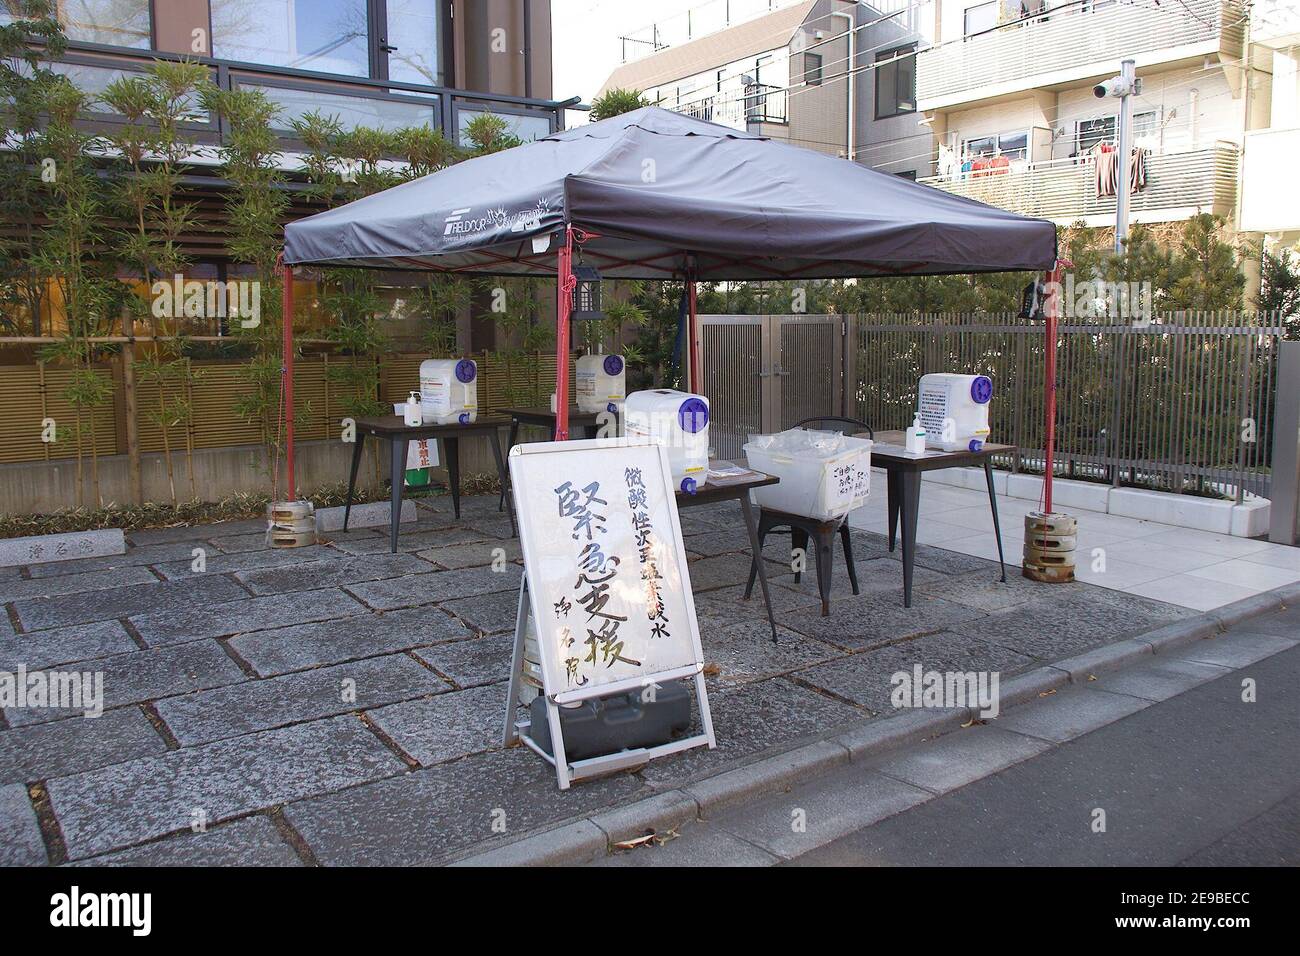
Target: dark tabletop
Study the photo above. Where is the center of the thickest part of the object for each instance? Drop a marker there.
(393, 426)
(934, 458)
(725, 489)
(544, 413)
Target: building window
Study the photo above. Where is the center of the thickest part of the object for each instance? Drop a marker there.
(981, 17)
(1103, 129)
(895, 82)
(327, 36)
(812, 69)
(110, 22)
(414, 41)
(1010, 145)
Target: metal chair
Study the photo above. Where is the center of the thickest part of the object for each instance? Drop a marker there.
(822, 532)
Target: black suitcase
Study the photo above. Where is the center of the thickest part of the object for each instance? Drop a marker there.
(606, 725)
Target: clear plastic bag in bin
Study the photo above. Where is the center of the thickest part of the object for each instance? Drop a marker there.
(824, 475)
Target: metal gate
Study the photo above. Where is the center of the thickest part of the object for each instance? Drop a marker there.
(763, 373)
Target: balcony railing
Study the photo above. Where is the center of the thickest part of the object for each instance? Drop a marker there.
(1103, 32)
(759, 103)
(356, 101)
(1065, 190)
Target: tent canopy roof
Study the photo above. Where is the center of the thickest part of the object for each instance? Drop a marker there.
(662, 194)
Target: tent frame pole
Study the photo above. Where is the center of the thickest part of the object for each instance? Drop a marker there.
(563, 304)
(1052, 312)
(693, 328)
(286, 374)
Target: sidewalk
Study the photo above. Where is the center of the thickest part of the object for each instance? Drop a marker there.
(1158, 764)
(1193, 569)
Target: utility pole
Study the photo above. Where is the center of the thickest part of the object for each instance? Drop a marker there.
(1123, 87)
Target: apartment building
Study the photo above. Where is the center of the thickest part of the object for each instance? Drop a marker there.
(1270, 200)
(1012, 81)
(833, 76)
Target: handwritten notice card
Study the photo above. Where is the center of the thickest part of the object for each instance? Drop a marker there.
(610, 594)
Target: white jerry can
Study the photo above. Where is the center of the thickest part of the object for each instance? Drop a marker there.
(680, 422)
(600, 382)
(449, 391)
(954, 410)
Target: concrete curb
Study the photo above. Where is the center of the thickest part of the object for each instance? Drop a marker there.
(590, 838)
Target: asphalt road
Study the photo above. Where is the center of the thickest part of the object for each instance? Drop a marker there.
(1201, 779)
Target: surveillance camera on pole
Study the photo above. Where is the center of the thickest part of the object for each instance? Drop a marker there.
(1123, 88)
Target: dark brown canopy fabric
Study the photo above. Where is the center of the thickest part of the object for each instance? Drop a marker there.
(667, 195)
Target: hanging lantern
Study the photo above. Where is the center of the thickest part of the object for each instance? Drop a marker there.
(586, 295)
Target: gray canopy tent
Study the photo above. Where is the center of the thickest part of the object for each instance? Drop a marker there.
(653, 194)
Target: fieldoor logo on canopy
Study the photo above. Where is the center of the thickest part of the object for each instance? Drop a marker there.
(458, 223)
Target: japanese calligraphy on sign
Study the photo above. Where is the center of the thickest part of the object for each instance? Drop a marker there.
(603, 555)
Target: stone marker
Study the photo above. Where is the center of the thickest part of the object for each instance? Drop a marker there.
(374, 514)
(44, 548)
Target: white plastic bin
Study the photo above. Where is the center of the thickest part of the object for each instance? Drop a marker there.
(954, 410)
(824, 475)
(449, 391)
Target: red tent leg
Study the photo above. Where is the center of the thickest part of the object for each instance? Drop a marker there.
(1053, 307)
(563, 303)
(286, 321)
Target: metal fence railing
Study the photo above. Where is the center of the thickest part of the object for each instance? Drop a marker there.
(1182, 404)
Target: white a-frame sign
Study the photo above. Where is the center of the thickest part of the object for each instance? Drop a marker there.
(606, 584)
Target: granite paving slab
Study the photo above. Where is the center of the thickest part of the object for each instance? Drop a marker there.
(865, 678)
(300, 646)
(234, 543)
(114, 807)
(75, 583)
(410, 540)
(446, 726)
(475, 555)
(1050, 629)
(875, 619)
(252, 841)
(62, 747)
(135, 557)
(417, 589)
(330, 573)
(20, 833)
(421, 817)
(722, 571)
(306, 695)
(495, 526)
(218, 562)
(744, 651)
(64, 645)
(249, 614)
(985, 592)
(194, 532)
(484, 660)
(163, 597)
(487, 613)
(875, 576)
(750, 720)
(146, 675)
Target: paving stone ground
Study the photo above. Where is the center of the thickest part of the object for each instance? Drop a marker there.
(342, 705)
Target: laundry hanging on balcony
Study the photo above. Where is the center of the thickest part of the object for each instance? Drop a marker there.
(1105, 157)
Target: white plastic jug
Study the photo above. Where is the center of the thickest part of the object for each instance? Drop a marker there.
(449, 391)
(600, 382)
(955, 410)
(679, 421)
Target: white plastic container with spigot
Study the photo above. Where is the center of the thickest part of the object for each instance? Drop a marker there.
(600, 383)
(954, 410)
(680, 422)
(449, 391)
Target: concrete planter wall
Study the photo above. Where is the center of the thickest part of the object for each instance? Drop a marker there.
(1246, 520)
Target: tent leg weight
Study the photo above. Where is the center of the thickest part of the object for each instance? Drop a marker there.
(1049, 547)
